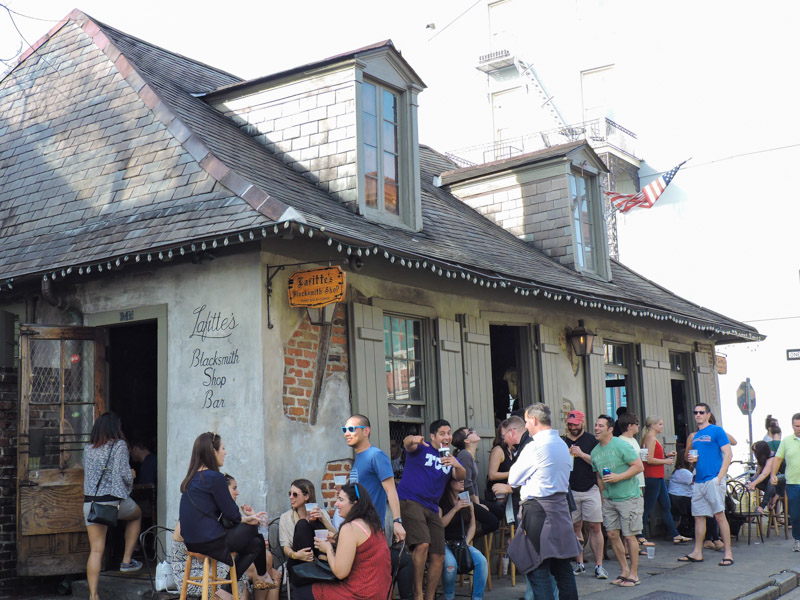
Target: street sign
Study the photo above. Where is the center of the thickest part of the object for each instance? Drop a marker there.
(746, 398)
(793, 354)
(317, 287)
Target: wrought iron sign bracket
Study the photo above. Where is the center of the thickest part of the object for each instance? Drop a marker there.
(273, 270)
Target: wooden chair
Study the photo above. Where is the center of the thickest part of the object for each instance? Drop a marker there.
(209, 577)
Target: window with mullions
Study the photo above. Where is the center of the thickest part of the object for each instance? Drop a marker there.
(618, 382)
(581, 206)
(381, 149)
(404, 368)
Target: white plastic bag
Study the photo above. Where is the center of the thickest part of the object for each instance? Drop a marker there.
(165, 581)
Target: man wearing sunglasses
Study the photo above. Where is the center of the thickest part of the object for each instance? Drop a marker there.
(712, 459)
(373, 469)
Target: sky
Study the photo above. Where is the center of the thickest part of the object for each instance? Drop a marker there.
(701, 80)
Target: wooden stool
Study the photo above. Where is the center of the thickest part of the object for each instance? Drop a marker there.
(776, 512)
(488, 540)
(505, 528)
(208, 579)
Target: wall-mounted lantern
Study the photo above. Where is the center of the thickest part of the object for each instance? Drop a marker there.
(581, 339)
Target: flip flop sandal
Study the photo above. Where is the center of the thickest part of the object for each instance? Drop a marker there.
(633, 581)
(642, 552)
(644, 542)
(617, 581)
(688, 558)
(627, 582)
(726, 562)
(681, 539)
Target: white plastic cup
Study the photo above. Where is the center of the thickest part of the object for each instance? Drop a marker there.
(651, 552)
(309, 507)
(643, 453)
(693, 454)
(321, 534)
(464, 496)
(340, 480)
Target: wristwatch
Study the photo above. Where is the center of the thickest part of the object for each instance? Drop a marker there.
(398, 520)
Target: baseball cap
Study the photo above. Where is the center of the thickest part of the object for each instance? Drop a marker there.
(575, 417)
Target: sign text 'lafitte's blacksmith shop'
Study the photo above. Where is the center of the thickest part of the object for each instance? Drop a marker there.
(316, 287)
(213, 365)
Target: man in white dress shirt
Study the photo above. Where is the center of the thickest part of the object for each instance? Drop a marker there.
(541, 471)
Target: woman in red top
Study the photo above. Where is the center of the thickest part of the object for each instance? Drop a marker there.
(358, 554)
(655, 489)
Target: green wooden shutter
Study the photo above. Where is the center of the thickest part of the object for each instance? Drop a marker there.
(658, 391)
(596, 383)
(451, 372)
(368, 370)
(478, 388)
(549, 354)
(706, 383)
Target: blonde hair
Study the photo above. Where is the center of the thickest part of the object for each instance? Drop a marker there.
(648, 423)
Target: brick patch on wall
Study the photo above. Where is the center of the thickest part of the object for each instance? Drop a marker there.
(300, 363)
(8, 477)
(327, 492)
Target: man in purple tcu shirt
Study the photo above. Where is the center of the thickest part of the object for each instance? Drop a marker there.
(426, 473)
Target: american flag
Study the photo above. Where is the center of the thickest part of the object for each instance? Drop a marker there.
(646, 197)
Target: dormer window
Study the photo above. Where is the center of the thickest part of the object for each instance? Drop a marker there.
(583, 222)
(381, 149)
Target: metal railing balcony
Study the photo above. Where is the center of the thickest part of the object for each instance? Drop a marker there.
(601, 133)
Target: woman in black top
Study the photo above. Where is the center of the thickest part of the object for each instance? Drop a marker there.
(206, 503)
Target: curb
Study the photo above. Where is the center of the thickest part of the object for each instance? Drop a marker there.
(775, 587)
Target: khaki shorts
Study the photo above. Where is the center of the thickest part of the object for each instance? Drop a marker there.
(590, 506)
(422, 526)
(708, 498)
(126, 509)
(624, 515)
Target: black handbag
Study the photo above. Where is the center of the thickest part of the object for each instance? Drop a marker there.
(461, 552)
(306, 573)
(103, 514)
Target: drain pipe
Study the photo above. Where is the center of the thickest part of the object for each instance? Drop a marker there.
(53, 299)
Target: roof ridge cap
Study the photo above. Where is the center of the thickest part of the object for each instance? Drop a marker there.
(253, 195)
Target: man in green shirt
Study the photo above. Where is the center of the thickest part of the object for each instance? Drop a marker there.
(616, 464)
(789, 450)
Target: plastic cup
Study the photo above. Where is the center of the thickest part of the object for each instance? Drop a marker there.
(693, 454)
(444, 451)
(464, 496)
(321, 534)
(340, 480)
(651, 552)
(643, 453)
(309, 507)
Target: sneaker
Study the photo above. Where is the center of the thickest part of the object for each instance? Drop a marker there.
(796, 546)
(130, 567)
(600, 572)
(578, 569)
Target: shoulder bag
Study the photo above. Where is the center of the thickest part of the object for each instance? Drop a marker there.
(461, 551)
(103, 514)
(306, 573)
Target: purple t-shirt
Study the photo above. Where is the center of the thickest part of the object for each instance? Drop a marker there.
(424, 478)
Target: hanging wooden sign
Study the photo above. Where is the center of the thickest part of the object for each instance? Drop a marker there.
(317, 287)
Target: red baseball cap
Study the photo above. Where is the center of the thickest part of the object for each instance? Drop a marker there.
(575, 417)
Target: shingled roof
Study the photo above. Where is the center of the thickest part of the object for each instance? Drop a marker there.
(106, 151)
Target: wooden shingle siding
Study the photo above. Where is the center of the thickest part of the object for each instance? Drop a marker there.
(596, 403)
(368, 370)
(549, 355)
(657, 388)
(451, 372)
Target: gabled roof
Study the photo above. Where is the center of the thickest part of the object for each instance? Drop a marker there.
(508, 164)
(107, 152)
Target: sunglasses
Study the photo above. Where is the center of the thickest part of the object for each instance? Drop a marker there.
(293, 494)
(352, 428)
(699, 412)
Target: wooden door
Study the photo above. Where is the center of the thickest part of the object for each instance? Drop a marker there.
(62, 388)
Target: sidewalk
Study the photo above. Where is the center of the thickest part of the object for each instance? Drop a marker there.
(760, 572)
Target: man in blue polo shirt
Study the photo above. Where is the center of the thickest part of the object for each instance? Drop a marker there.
(712, 459)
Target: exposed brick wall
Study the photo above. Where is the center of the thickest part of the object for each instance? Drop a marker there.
(327, 491)
(8, 476)
(300, 363)
(309, 124)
